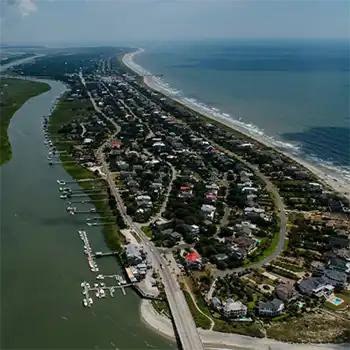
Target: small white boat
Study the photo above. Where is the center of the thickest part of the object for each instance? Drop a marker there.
(99, 277)
(102, 284)
(63, 196)
(96, 285)
(91, 301)
(82, 284)
(85, 302)
(102, 293)
(98, 294)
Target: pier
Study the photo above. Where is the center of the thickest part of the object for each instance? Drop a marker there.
(100, 254)
(87, 194)
(63, 182)
(100, 223)
(100, 291)
(88, 251)
(88, 201)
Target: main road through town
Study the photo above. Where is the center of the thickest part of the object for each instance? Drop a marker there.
(183, 320)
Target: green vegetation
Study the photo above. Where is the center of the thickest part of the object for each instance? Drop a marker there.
(309, 327)
(288, 267)
(77, 110)
(265, 252)
(161, 307)
(250, 329)
(200, 320)
(14, 93)
(341, 307)
(147, 231)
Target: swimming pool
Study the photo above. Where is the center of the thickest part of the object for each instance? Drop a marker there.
(337, 301)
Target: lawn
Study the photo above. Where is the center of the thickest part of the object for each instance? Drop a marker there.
(200, 320)
(341, 307)
(267, 252)
(14, 93)
(147, 231)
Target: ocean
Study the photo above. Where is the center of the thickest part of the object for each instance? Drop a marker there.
(295, 93)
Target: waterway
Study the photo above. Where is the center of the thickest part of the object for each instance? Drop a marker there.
(42, 260)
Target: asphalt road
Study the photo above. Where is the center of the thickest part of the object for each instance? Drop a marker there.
(281, 212)
(185, 325)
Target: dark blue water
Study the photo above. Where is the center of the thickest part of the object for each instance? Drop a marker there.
(295, 91)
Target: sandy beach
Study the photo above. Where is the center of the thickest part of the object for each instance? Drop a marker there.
(216, 340)
(327, 176)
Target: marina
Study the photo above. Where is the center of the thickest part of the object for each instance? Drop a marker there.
(100, 290)
(57, 255)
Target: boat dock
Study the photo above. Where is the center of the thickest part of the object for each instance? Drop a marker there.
(88, 251)
(88, 201)
(63, 182)
(100, 289)
(100, 223)
(100, 254)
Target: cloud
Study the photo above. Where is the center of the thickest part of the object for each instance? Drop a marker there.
(24, 7)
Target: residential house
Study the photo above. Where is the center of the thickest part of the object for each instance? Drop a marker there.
(216, 302)
(254, 213)
(249, 190)
(194, 231)
(175, 236)
(144, 201)
(314, 187)
(271, 308)
(286, 292)
(239, 253)
(335, 278)
(194, 261)
(185, 192)
(220, 257)
(121, 165)
(234, 309)
(244, 242)
(316, 286)
(339, 265)
(208, 211)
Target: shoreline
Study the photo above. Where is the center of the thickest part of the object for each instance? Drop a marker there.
(217, 340)
(26, 92)
(213, 339)
(326, 175)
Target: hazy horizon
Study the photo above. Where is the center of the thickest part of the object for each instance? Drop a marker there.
(92, 22)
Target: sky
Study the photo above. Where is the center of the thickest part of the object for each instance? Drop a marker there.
(60, 22)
